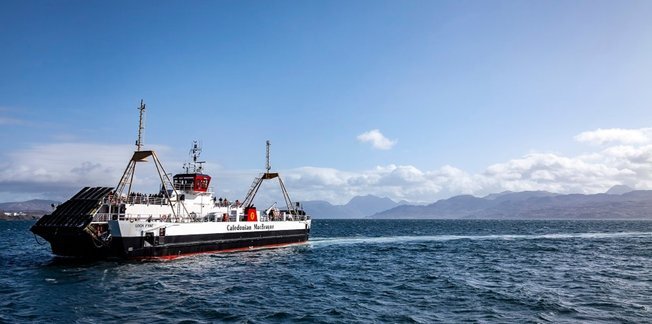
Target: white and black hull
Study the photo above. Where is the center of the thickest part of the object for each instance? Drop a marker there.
(144, 246)
(145, 240)
(74, 231)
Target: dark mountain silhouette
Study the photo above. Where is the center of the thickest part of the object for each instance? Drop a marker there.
(619, 202)
(357, 207)
(533, 205)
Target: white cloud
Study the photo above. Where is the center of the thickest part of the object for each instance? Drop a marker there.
(616, 135)
(552, 172)
(377, 139)
(58, 170)
(51, 169)
(628, 161)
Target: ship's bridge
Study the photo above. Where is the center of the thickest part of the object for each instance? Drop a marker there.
(191, 182)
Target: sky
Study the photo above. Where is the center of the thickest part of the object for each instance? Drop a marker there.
(412, 100)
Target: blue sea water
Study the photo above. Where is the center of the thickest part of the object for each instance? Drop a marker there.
(353, 271)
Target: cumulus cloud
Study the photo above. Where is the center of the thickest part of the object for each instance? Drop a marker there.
(616, 135)
(555, 173)
(52, 168)
(626, 159)
(377, 139)
(58, 170)
(399, 182)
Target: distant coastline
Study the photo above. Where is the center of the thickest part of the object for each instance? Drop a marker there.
(618, 203)
(26, 210)
(17, 216)
(633, 205)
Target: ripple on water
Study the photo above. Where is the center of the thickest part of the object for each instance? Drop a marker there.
(365, 271)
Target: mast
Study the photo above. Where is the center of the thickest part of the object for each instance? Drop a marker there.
(127, 178)
(195, 152)
(141, 126)
(267, 166)
(248, 201)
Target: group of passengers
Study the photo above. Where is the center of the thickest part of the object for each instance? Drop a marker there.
(140, 198)
(223, 202)
(137, 198)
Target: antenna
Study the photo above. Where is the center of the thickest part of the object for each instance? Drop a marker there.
(141, 126)
(195, 152)
(267, 166)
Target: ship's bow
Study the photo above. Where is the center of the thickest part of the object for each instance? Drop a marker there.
(68, 229)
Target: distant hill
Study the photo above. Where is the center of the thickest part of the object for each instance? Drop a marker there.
(30, 205)
(518, 196)
(357, 207)
(619, 202)
(619, 190)
(532, 205)
(369, 204)
(30, 209)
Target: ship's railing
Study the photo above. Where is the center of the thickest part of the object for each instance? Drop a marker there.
(183, 186)
(104, 217)
(220, 217)
(282, 217)
(276, 215)
(138, 199)
(230, 217)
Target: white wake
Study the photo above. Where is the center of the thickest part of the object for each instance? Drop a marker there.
(325, 241)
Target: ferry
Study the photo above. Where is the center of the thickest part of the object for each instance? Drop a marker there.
(184, 217)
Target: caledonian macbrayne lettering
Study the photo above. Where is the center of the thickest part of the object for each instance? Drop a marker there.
(249, 227)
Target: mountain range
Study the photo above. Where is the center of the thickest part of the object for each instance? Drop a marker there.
(619, 202)
(357, 207)
(34, 205)
(24, 210)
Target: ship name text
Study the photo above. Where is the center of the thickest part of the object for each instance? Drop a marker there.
(249, 227)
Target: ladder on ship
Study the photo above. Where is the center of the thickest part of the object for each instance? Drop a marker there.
(258, 181)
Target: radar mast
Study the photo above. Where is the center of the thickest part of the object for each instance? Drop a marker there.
(141, 126)
(267, 165)
(195, 152)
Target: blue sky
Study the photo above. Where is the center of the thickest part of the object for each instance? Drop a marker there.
(460, 89)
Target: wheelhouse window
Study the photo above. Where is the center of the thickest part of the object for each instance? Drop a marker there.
(183, 182)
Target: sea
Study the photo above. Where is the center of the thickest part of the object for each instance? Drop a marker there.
(383, 271)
